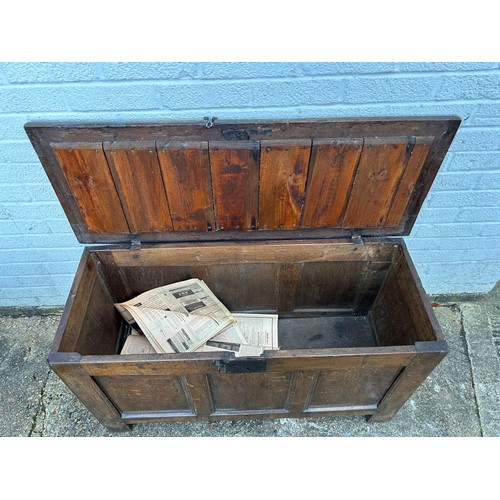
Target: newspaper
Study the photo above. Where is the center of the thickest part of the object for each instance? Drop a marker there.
(251, 335)
(137, 344)
(179, 317)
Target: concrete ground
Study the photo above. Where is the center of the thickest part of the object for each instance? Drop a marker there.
(460, 398)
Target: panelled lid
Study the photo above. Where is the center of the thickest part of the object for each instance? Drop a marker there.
(242, 180)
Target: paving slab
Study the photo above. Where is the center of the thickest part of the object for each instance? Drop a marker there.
(35, 402)
(24, 344)
(481, 323)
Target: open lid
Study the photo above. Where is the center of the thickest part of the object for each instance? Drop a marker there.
(197, 181)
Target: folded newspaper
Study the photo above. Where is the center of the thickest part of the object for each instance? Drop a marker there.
(186, 317)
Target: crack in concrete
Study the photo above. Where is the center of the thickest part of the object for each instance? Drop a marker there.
(468, 352)
(38, 422)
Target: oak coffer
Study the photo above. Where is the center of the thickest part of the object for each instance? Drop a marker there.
(299, 218)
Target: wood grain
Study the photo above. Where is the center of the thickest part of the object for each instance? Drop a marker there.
(316, 218)
(251, 252)
(408, 182)
(90, 394)
(139, 182)
(283, 174)
(235, 180)
(329, 284)
(331, 173)
(409, 380)
(325, 332)
(90, 181)
(186, 172)
(379, 171)
(249, 391)
(147, 393)
(356, 387)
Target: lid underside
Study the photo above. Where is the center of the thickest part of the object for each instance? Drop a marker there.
(242, 180)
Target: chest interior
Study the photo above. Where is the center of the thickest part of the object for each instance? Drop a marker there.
(327, 295)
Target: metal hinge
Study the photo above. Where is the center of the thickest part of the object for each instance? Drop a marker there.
(357, 240)
(135, 244)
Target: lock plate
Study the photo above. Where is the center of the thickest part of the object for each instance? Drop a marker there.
(243, 365)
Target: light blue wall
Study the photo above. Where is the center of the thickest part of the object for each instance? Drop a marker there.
(455, 243)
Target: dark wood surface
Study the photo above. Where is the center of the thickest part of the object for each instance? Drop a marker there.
(186, 173)
(365, 176)
(325, 332)
(235, 180)
(357, 333)
(283, 174)
(139, 184)
(409, 179)
(331, 174)
(380, 168)
(89, 180)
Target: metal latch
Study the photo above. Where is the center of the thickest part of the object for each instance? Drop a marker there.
(135, 244)
(209, 121)
(241, 365)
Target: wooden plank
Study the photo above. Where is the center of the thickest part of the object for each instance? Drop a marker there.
(186, 171)
(325, 332)
(421, 310)
(199, 393)
(146, 393)
(75, 312)
(379, 171)
(111, 275)
(287, 252)
(87, 174)
(235, 179)
(100, 316)
(139, 182)
(300, 391)
(245, 286)
(142, 278)
(408, 180)
(331, 173)
(352, 387)
(278, 361)
(249, 391)
(283, 174)
(329, 285)
(288, 281)
(374, 277)
(248, 129)
(391, 314)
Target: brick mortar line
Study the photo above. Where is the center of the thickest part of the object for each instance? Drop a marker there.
(219, 109)
(303, 76)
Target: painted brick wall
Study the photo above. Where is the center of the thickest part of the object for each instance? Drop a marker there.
(455, 243)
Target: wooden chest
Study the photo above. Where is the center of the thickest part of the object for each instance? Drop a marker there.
(300, 218)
